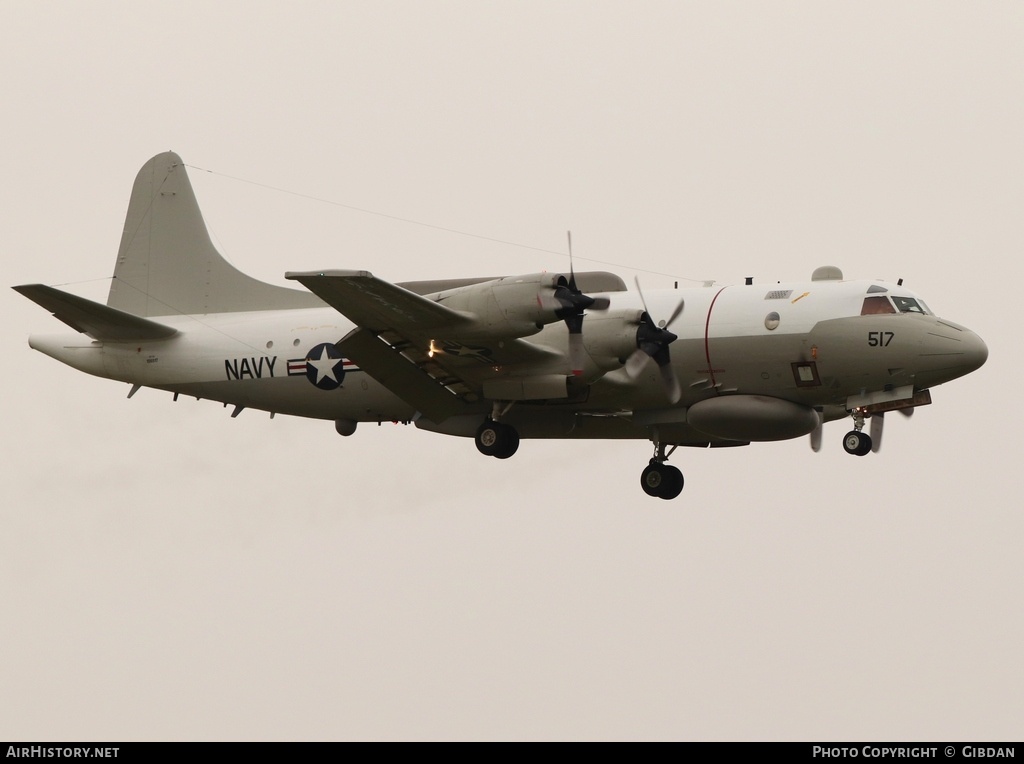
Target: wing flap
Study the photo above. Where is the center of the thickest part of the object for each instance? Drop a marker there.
(101, 322)
(404, 379)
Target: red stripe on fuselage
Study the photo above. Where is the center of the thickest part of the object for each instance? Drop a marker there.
(707, 326)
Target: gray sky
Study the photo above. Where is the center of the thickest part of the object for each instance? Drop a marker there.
(167, 572)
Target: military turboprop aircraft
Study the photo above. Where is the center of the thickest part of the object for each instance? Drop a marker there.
(542, 355)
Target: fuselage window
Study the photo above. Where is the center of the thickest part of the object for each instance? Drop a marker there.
(908, 305)
(875, 305)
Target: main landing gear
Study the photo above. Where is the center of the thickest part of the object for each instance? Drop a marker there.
(661, 479)
(497, 439)
(500, 440)
(857, 442)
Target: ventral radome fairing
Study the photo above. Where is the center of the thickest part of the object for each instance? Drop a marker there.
(504, 358)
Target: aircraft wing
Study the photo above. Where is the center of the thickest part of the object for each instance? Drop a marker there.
(421, 348)
(378, 305)
(391, 311)
(99, 321)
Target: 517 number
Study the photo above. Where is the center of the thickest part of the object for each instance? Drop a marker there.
(880, 339)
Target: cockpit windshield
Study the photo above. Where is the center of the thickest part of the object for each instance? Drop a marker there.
(875, 305)
(910, 305)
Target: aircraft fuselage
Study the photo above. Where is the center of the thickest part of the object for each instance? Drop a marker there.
(805, 342)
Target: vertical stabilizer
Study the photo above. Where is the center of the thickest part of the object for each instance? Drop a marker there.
(167, 265)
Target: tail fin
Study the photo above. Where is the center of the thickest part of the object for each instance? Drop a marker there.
(167, 265)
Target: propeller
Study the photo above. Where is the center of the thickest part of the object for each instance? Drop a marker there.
(877, 421)
(569, 304)
(877, 424)
(652, 342)
(816, 433)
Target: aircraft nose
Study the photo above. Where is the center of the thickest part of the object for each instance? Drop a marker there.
(975, 352)
(949, 351)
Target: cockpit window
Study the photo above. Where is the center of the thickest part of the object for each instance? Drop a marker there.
(875, 305)
(909, 305)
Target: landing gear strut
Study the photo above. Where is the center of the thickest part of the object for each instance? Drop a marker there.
(857, 442)
(661, 479)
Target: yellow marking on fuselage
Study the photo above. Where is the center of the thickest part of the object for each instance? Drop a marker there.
(797, 299)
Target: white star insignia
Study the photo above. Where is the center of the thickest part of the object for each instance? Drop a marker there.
(324, 366)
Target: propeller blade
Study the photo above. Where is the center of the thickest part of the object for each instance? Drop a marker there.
(635, 363)
(600, 303)
(668, 374)
(548, 301)
(816, 435)
(671, 383)
(636, 280)
(675, 314)
(577, 354)
(877, 420)
(572, 272)
(635, 367)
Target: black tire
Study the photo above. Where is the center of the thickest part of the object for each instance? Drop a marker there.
(652, 479)
(488, 437)
(672, 482)
(496, 439)
(509, 443)
(857, 443)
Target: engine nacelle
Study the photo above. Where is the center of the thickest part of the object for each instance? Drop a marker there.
(505, 307)
(518, 306)
(611, 337)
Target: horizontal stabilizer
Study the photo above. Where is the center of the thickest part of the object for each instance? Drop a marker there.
(378, 305)
(95, 319)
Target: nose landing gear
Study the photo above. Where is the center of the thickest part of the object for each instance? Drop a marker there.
(660, 479)
(857, 442)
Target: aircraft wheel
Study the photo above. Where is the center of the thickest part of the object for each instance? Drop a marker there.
(488, 437)
(653, 478)
(509, 443)
(672, 482)
(496, 439)
(857, 443)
